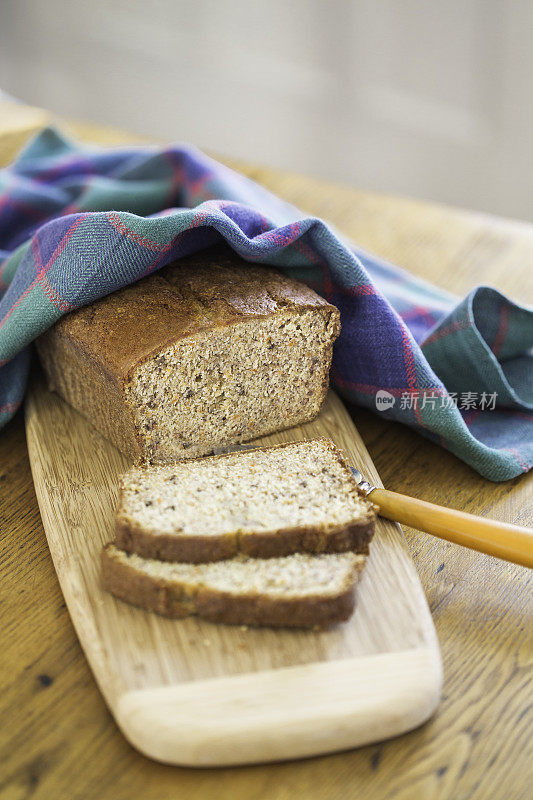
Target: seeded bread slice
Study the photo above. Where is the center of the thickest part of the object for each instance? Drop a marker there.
(262, 503)
(296, 591)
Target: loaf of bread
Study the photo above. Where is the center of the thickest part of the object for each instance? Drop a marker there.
(296, 591)
(262, 502)
(207, 352)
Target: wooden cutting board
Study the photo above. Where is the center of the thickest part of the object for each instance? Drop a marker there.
(193, 693)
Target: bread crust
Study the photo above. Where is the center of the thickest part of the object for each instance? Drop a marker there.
(354, 536)
(197, 549)
(177, 600)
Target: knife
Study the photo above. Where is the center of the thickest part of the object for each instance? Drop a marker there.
(500, 539)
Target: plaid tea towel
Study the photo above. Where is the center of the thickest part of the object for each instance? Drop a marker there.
(77, 223)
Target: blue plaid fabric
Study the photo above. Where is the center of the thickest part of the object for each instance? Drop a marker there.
(77, 223)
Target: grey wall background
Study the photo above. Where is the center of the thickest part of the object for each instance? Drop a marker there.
(430, 99)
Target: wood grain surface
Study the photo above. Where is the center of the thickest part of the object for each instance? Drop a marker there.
(57, 738)
(190, 692)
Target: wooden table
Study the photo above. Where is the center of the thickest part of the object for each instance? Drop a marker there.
(57, 739)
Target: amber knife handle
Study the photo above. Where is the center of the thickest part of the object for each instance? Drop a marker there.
(500, 539)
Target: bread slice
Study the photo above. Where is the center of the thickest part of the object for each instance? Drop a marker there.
(263, 503)
(295, 591)
(207, 352)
